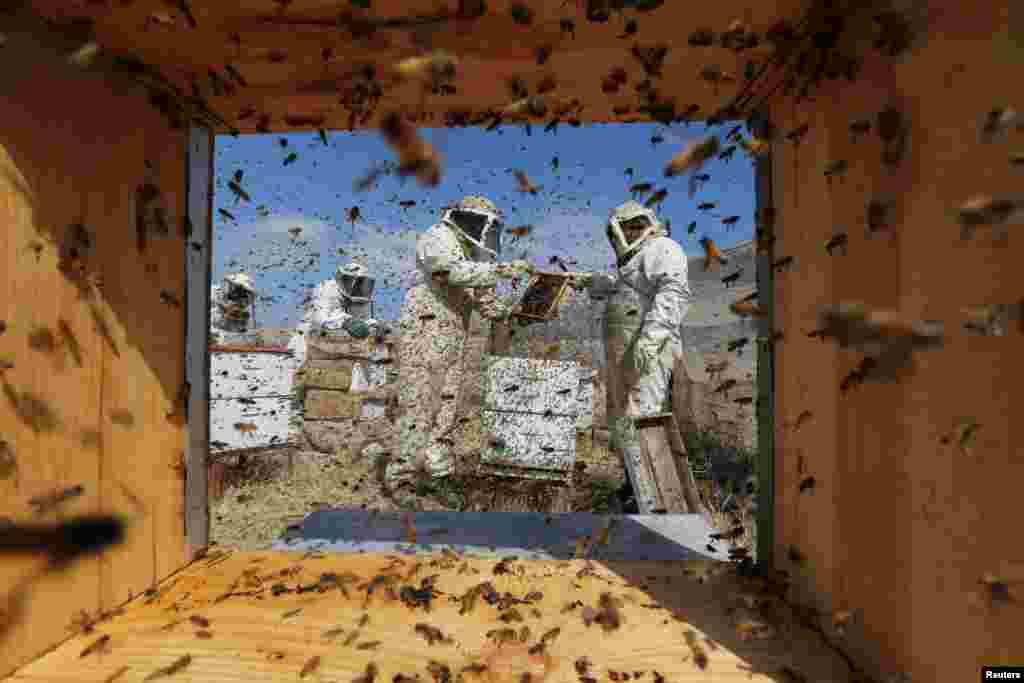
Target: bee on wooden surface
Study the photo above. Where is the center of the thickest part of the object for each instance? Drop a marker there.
(533, 596)
(178, 665)
(995, 122)
(101, 644)
(835, 168)
(475, 669)
(795, 556)
(431, 634)
(369, 645)
(200, 621)
(797, 135)
(510, 615)
(839, 242)
(700, 656)
(803, 418)
(524, 633)
(808, 484)
(986, 211)
(841, 620)
(351, 638)
(369, 675)
(433, 70)
(783, 263)
(440, 672)
(608, 615)
(701, 38)
(582, 666)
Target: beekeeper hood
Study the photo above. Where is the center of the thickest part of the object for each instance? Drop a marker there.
(478, 221)
(356, 287)
(631, 225)
(239, 296)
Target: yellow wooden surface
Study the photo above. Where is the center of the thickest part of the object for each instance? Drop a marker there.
(258, 637)
(899, 525)
(89, 408)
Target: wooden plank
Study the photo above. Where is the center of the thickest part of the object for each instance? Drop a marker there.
(326, 348)
(330, 374)
(255, 636)
(653, 433)
(329, 404)
(199, 266)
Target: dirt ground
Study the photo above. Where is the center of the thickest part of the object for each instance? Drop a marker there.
(269, 492)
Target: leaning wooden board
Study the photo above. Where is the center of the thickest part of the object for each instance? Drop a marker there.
(265, 634)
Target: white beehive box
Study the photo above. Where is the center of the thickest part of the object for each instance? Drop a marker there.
(531, 410)
(250, 387)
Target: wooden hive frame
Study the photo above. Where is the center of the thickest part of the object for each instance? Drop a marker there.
(558, 283)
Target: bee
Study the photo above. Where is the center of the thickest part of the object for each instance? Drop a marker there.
(524, 633)
(246, 427)
(738, 344)
(656, 199)
(791, 675)
(475, 669)
(701, 38)
(997, 121)
(290, 159)
(351, 638)
(101, 644)
(745, 308)
(433, 70)
(700, 657)
(440, 672)
(510, 616)
(858, 128)
(691, 228)
(524, 183)
(803, 418)
(744, 400)
(640, 188)
(692, 159)
(965, 432)
(797, 134)
(630, 29)
(783, 263)
(608, 616)
(200, 621)
(841, 619)
(369, 675)
(986, 211)
(795, 556)
(754, 146)
(997, 589)
(650, 58)
(174, 667)
(370, 645)
(877, 215)
(227, 214)
(430, 633)
(808, 484)
(582, 666)
(546, 85)
(707, 206)
(836, 242)
(712, 256)
(416, 156)
(543, 52)
(835, 168)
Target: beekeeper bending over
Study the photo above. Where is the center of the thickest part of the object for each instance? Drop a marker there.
(232, 308)
(456, 264)
(647, 300)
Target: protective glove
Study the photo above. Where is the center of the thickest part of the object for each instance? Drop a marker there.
(357, 328)
(645, 356)
(514, 268)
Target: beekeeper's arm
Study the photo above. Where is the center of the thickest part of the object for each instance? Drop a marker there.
(664, 265)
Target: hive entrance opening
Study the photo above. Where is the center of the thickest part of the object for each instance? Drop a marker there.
(304, 422)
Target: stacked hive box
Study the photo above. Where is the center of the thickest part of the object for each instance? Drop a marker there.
(701, 402)
(336, 416)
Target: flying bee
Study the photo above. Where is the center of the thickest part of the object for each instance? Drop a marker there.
(712, 256)
(730, 220)
(730, 280)
(707, 206)
(524, 183)
(692, 159)
(416, 156)
(746, 308)
(657, 198)
(858, 128)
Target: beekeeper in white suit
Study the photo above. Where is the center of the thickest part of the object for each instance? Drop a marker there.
(340, 307)
(646, 303)
(458, 273)
(232, 308)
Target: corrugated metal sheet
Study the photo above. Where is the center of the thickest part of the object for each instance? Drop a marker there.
(250, 388)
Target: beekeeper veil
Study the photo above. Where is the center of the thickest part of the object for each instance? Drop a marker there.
(356, 287)
(239, 296)
(631, 225)
(479, 222)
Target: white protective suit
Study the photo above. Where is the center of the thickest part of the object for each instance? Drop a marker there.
(646, 305)
(335, 304)
(455, 279)
(232, 308)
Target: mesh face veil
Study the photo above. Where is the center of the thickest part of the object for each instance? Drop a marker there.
(629, 226)
(355, 283)
(479, 222)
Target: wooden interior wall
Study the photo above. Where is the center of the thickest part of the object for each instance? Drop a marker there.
(94, 368)
(899, 525)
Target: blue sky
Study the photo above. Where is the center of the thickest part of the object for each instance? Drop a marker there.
(316, 191)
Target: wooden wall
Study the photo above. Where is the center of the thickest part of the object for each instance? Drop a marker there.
(899, 525)
(96, 367)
